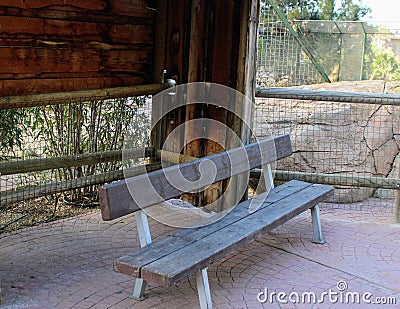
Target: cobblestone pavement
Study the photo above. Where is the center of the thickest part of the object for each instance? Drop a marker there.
(68, 264)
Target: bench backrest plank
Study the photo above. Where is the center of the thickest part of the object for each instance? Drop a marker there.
(149, 189)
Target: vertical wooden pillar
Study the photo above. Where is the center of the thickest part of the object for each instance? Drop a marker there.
(211, 41)
(397, 204)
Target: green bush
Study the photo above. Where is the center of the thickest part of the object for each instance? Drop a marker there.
(11, 129)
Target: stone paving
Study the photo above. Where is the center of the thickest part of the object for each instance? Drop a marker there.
(68, 264)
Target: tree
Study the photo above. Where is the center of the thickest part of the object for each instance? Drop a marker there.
(323, 9)
(384, 65)
(327, 9)
(348, 10)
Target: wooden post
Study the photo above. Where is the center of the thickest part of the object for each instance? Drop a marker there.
(211, 41)
(397, 204)
(246, 81)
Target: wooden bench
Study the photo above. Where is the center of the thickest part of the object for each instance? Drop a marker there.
(190, 251)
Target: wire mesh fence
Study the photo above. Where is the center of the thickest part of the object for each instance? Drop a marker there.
(281, 61)
(54, 157)
(354, 146)
(346, 51)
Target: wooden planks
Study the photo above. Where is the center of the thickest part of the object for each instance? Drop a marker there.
(132, 8)
(131, 264)
(180, 255)
(124, 197)
(89, 62)
(59, 46)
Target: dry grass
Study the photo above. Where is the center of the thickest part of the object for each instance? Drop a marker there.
(42, 210)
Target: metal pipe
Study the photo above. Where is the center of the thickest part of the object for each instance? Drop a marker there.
(328, 96)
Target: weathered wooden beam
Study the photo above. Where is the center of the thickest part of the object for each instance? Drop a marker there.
(36, 165)
(26, 193)
(116, 198)
(133, 16)
(38, 31)
(53, 84)
(123, 7)
(72, 61)
(79, 96)
(327, 96)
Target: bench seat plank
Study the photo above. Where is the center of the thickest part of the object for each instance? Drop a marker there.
(130, 264)
(185, 262)
(194, 249)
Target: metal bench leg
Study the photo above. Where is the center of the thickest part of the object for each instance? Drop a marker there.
(143, 229)
(203, 289)
(140, 288)
(316, 224)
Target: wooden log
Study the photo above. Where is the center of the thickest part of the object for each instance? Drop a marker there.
(397, 204)
(34, 60)
(55, 46)
(26, 193)
(72, 4)
(116, 198)
(36, 165)
(328, 96)
(117, 12)
(39, 29)
(28, 87)
(79, 96)
(334, 179)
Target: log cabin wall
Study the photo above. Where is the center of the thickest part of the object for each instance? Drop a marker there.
(51, 46)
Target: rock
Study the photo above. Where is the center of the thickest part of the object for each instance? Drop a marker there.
(360, 140)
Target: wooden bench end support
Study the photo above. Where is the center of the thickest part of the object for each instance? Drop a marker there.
(316, 224)
(203, 288)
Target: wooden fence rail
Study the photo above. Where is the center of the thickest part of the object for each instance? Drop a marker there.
(37, 165)
(81, 96)
(26, 193)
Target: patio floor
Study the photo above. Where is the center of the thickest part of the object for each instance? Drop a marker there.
(68, 264)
